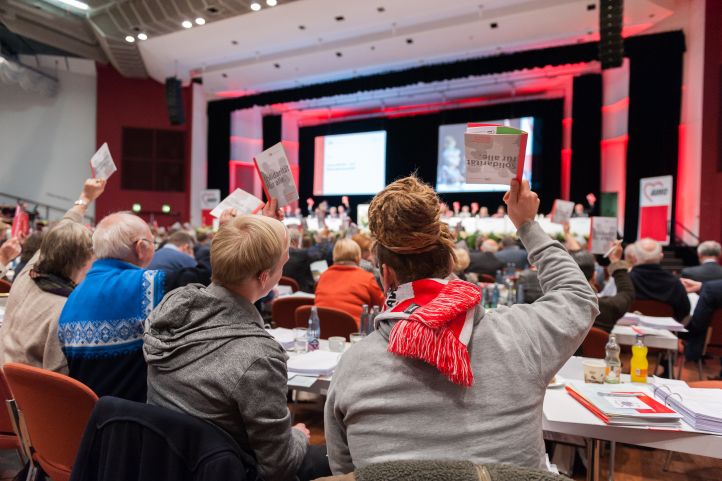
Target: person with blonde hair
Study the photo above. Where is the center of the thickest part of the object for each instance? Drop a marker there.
(462, 262)
(29, 332)
(345, 285)
(209, 355)
(440, 377)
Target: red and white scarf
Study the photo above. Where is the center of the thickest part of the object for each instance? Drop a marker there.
(436, 318)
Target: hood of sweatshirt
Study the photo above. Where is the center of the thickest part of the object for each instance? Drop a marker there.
(194, 320)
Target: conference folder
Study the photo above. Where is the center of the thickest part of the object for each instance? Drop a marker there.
(494, 153)
(273, 167)
(701, 408)
(624, 405)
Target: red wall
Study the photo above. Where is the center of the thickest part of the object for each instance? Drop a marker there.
(137, 103)
(711, 193)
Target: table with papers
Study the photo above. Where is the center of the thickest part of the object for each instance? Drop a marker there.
(564, 415)
(309, 381)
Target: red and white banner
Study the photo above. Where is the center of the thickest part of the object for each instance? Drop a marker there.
(21, 222)
(210, 198)
(655, 208)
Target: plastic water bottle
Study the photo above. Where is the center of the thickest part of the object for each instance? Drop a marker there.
(364, 326)
(614, 365)
(495, 296)
(639, 363)
(314, 330)
(520, 293)
(499, 277)
(372, 319)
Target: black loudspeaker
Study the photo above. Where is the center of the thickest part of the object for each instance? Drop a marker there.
(611, 43)
(174, 101)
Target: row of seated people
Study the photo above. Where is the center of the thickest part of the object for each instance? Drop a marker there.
(203, 350)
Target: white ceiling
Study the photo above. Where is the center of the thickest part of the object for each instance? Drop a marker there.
(267, 50)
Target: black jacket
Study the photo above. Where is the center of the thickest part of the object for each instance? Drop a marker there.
(484, 263)
(709, 271)
(710, 300)
(612, 308)
(298, 266)
(652, 282)
(130, 441)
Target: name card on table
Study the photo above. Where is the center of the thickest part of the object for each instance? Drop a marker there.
(562, 211)
(602, 234)
(242, 201)
(101, 163)
(275, 171)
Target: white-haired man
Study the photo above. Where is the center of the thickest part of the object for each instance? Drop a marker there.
(651, 282)
(101, 326)
(484, 260)
(709, 253)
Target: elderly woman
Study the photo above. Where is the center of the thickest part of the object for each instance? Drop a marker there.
(345, 285)
(440, 373)
(29, 333)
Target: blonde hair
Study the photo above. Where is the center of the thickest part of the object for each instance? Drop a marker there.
(462, 260)
(346, 250)
(246, 246)
(65, 249)
(410, 237)
(364, 242)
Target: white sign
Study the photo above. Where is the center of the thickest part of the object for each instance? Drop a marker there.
(102, 163)
(275, 171)
(655, 191)
(210, 198)
(562, 211)
(242, 201)
(494, 153)
(655, 208)
(602, 234)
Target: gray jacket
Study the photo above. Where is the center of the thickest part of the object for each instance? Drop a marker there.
(209, 356)
(382, 407)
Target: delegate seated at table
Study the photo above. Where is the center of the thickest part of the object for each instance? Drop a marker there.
(441, 378)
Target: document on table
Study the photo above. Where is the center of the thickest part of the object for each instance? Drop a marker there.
(301, 381)
(655, 322)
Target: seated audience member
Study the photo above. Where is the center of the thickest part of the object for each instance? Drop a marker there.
(611, 308)
(511, 253)
(483, 212)
(367, 257)
(200, 273)
(462, 263)
(31, 245)
(610, 287)
(345, 285)
(708, 269)
(203, 243)
(29, 332)
(579, 211)
(9, 250)
(209, 356)
(654, 283)
(440, 377)
(484, 261)
(465, 211)
(529, 283)
(500, 212)
(299, 262)
(101, 326)
(710, 299)
(176, 254)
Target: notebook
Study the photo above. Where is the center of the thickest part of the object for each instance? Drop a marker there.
(283, 336)
(315, 363)
(700, 408)
(653, 322)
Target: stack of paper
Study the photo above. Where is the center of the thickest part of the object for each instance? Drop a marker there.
(667, 323)
(700, 408)
(624, 404)
(283, 336)
(315, 363)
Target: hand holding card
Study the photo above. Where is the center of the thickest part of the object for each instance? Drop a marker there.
(101, 163)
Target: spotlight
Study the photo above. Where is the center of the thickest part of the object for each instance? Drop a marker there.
(130, 39)
(136, 207)
(271, 3)
(165, 209)
(187, 24)
(142, 36)
(200, 21)
(255, 6)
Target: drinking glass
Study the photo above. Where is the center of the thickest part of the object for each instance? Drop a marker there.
(300, 339)
(355, 337)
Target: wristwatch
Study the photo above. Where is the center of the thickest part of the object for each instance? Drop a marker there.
(80, 202)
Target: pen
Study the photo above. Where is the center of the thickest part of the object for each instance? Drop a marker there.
(614, 246)
(619, 394)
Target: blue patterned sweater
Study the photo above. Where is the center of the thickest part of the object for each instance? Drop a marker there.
(101, 327)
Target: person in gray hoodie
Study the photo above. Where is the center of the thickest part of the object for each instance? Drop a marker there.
(441, 378)
(209, 356)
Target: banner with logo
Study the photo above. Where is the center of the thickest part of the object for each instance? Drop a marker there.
(210, 198)
(655, 208)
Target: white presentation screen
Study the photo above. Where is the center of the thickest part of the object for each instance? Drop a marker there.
(451, 164)
(350, 164)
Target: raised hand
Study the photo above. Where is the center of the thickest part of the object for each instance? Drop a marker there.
(9, 250)
(92, 189)
(521, 202)
(271, 210)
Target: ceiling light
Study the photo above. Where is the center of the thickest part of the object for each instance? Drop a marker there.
(130, 39)
(187, 24)
(142, 36)
(271, 3)
(75, 4)
(255, 6)
(200, 21)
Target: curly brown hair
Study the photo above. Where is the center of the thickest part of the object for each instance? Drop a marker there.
(409, 236)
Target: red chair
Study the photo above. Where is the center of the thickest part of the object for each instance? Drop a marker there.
(56, 409)
(487, 278)
(9, 428)
(706, 384)
(334, 322)
(287, 281)
(649, 307)
(4, 286)
(595, 343)
(284, 308)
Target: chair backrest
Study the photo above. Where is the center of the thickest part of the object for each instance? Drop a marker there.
(713, 345)
(649, 307)
(56, 409)
(595, 342)
(4, 286)
(334, 322)
(487, 278)
(283, 309)
(156, 443)
(288, 281)
(6, 424)
(706, 384)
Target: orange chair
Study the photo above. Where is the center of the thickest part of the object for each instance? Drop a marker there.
(595, 343)
(56, 409)
(8, 423)
(4, 286)
(706, 384)
(283, 309)
(487, 278)
(334, 322)
(287, 281)
(650, 307)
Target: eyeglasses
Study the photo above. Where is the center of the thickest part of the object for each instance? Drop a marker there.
(144, 239)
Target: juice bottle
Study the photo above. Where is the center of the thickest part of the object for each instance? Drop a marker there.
(639, 364)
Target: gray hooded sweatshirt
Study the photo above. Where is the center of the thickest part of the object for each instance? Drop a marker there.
(383, 407)
(209, 356)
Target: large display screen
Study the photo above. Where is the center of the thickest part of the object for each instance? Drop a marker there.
(451, 164)
(350, 164)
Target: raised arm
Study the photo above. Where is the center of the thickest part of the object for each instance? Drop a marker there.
(92, 189)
